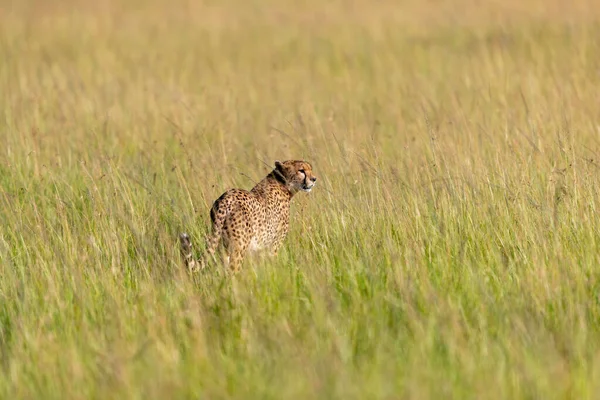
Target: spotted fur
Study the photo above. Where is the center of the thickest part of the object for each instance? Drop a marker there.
(253, 220)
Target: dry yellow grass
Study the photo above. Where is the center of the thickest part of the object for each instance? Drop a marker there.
(450, 249)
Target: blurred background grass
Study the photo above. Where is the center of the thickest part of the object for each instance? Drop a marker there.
(450, 249)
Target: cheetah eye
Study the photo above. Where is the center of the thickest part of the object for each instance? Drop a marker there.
(302, 171)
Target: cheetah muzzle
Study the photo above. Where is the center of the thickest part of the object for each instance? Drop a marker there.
(252, 220)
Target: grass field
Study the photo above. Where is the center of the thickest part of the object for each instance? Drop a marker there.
(450, 249)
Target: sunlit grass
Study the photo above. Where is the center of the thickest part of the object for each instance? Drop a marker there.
(450, 249)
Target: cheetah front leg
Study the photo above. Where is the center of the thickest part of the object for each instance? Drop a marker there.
(274, 251)
(278, 242)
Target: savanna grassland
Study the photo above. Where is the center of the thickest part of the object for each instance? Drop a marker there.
(449, 250)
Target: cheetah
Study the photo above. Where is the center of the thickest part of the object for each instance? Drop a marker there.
(253, 220)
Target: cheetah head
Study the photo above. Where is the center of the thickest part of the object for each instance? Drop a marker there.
(298, 175)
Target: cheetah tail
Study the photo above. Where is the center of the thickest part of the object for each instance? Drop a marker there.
(186, 252)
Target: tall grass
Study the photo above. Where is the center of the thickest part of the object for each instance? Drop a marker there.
(450, 250)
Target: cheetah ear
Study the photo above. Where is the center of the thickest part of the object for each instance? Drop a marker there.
(278, 165)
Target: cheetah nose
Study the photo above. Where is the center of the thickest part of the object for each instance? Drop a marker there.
(314, 179)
